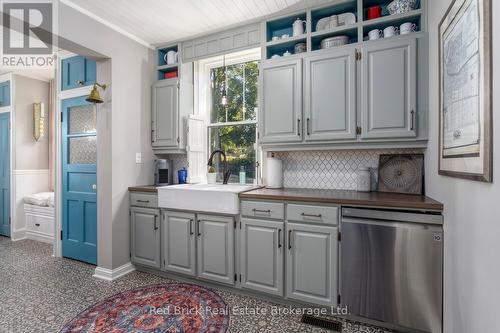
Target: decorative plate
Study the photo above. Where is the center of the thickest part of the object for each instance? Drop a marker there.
(401, 173)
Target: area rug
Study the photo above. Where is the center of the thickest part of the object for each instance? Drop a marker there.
(172, 308)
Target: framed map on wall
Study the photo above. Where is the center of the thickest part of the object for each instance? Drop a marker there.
(465, 117)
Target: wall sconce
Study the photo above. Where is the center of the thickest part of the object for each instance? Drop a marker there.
(39, 116)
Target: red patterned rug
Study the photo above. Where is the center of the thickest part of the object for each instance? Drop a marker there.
(172, 308)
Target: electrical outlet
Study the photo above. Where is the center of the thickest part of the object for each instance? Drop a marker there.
(138, 158)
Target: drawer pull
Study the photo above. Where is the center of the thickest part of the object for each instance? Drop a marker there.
(143, 201)
(265, 211)
(155, 223)
(279, 239)
(318, 216)
(37, 224)
(191, 227)
(199, 232)
(289, 239)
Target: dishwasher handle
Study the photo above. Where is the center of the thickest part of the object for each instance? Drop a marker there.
(391, 215)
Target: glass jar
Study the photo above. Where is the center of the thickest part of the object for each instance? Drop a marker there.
(363, 181)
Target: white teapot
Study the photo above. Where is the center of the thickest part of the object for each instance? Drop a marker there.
(298, 27)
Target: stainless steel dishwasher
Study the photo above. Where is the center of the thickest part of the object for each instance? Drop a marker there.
(392, 267)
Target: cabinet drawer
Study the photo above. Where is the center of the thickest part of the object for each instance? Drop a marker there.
(40, 224)
(144, 200)
(272, 210)
(317, 214)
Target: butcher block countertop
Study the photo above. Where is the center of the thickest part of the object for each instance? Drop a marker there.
(143, 188)
(343, 197)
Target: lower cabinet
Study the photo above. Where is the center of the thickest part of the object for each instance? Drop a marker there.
(311, 263)
(145, 236)
(262, 257)
(216, 248)
(178, 246)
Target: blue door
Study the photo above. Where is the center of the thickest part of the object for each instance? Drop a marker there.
(79, 180)
(5, 174)
(4, 94)
(76, 72)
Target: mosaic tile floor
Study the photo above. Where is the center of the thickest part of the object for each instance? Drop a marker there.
(39, 293)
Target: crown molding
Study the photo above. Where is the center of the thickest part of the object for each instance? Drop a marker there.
(107, 23)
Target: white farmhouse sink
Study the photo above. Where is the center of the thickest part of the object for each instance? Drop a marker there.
(210, 198)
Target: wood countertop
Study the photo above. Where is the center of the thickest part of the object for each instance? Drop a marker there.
(143, 188)
(343, 197)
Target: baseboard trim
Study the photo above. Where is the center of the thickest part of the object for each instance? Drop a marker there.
(113, 274)
(18, 234)
(39, 237)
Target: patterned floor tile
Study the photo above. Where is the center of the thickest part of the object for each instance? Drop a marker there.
(40, 293)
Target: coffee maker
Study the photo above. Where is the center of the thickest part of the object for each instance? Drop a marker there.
(163, 172)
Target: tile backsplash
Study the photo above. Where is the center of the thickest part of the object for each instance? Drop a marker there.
(332, 169)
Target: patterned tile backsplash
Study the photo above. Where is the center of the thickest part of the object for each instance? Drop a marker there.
(179, 161)
(332, 169)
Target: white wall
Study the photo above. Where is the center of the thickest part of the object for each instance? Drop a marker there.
(123, 126)
(30, 154)
(472, 211)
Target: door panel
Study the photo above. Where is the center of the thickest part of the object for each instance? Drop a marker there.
(79, 180)
(145, 237)
(5, 94)
(330, 96)
(165, 112)
(281, 102)
(389, 88)
(312, 263)
(5, 174)
(179, 242)
(216, 248)
(262, 258)
(76, 72)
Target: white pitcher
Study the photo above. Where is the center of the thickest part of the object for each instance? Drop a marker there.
(298, 27)
(171, 57)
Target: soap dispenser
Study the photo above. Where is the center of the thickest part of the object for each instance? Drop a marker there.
(243, 175)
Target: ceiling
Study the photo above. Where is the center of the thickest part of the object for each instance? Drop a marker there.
(154, 22)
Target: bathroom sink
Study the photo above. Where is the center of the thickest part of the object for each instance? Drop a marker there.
(210, 198)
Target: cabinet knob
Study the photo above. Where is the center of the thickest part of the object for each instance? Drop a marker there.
(80, 83)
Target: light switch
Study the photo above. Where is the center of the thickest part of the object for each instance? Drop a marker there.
(138, 158)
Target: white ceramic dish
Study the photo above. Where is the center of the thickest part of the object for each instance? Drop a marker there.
(334, 41)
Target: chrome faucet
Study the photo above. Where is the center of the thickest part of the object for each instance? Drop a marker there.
(226, 172)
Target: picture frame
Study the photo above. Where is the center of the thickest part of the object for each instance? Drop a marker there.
(465, 91)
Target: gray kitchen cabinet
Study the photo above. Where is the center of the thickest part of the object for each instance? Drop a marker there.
(330, 96)
(389, 89)
(164, 120)
(281, 101)
(311, 260)
(178, 242)
(262, 257)
(145, 236)
(216, 248)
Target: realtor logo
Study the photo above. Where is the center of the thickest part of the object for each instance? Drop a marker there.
(27, 34)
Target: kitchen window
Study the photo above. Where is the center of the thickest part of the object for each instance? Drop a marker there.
(232, 128)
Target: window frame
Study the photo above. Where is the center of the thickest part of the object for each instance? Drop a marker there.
(205, 102)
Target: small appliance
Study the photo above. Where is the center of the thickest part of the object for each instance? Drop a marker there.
(163, 172)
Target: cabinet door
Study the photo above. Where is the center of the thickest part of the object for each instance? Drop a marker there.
(216, 248)
(77, 72)
(330, 96)
(178, 242)
(165, 127)
(262, 244)
(4, 94)
(389, 89)
(311, 261)
(281, 101)
(145, 237)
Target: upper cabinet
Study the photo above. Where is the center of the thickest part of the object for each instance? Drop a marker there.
(281, 101)
(389, 89)
(77, 72)
(330, 96)
(164, 122)
(172, 103)
(4, 94)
